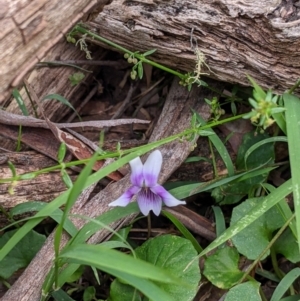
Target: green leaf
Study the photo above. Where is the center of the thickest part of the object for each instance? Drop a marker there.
(254, 239)
(62, 100)
(21, 255)
(61, 295)
(37, 206)
(185, 189)
(93, 178)
(197, 159)
(76, 78)
(102, 258)
(219, 145)
(260, 93)
(246, 291)
(130, 270)
(286, 245)
(221, 268)
(148, 288)
(123, 292)
(16, 94)
(66, 178)
(61, 152)
(140, 70)
(219, 220)
(149, 52)
(173, 253)
(234, 192)
(285, 283)
(89, 294)
(184, 231)
(123, 233)
(292, 104)
(268, 202)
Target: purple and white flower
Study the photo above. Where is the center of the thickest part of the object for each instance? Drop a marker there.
(150, 194)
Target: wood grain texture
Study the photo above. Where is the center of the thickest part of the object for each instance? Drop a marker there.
(175, 117)
(44, 187)
(236, 37)
(29, 28)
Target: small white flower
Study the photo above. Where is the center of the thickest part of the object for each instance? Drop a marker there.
(150, 194)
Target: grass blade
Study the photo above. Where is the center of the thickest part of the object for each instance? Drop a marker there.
(292, 104)
(285, 283)
(269, 201)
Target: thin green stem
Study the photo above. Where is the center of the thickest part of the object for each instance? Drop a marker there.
(149, 225)
(213, 159)
(183, 134)
(262, 294)
(297, 84)
(81, 29)
(273, 255)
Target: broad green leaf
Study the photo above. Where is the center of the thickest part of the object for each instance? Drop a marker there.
(89, 293)
(173, 253)
(123, 292)
(245, 291)
(221, 268)
(287, 246)
(254, 239)
(21, 255)
(259, 156)
(268, 202)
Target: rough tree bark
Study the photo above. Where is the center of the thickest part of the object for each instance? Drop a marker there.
(261, 38)
(29, 28)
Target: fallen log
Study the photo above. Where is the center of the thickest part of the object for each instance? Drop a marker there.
(259, 38)
(30, 29)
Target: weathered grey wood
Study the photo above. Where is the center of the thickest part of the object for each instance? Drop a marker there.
(44, 187)
(236, 37)
(29, 28)
(175, 117)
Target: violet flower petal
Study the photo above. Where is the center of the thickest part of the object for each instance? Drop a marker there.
(152, 168)
(147, 201)
(125, 198)
(167, 198)
(136, 177)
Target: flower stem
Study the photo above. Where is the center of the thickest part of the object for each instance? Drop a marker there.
(149, 225)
